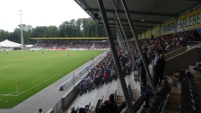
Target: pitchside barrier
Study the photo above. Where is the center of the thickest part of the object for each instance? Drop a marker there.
(86, 70)
(72, 80)
(72, 85)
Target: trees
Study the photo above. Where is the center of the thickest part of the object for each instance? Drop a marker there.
(4, 35)
(43, 31)
(82, 27)
(85, 27)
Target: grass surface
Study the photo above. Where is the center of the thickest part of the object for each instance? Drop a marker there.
(34, 71)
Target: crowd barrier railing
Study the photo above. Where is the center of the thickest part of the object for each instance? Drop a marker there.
(193, 44)
(71, 82)
(72, 85)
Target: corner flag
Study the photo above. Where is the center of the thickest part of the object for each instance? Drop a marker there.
(17, 88)
(16, 83)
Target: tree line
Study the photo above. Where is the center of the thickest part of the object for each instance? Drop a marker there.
(83, 27)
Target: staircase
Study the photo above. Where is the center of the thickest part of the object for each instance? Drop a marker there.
(105, 90)
(173, 102)
(92, 47)
(174, 97)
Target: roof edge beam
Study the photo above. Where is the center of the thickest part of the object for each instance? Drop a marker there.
(134, 12)
(112, 24)
(124, 20)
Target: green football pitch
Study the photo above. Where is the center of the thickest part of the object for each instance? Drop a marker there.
(31, 71)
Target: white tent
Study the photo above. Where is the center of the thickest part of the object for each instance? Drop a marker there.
(8, 43)
(28, 46)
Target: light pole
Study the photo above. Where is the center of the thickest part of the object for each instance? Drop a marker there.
(21, 29)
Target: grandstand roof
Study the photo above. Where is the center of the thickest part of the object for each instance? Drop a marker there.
(69, 38)
(144, 14)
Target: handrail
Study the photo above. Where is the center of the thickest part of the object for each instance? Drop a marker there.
(194, 43)
(67, 84)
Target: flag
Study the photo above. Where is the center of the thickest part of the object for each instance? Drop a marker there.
(16, 83)
(17, 88)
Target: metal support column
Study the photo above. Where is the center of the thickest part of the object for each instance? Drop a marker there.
(138, 45)
(120, 37)
(115, 57)
(124, 34)
(120, 34)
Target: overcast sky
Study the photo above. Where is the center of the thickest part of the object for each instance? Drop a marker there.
(38, 12)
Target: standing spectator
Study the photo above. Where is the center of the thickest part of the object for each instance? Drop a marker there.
(156, 69)
(161, 63)
(142, 70)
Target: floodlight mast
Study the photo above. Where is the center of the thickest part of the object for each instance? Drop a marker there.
(21, 29)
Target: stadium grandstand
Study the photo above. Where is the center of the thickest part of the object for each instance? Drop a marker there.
(151, 63)
(71, 43)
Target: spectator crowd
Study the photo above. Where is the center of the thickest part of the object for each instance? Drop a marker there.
(105, 71)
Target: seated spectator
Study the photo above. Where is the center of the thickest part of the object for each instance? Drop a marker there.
(82, 110)
(105, 77)
(168, 47)
(73, 110)
(161, 93)
(82, 85)
(109, 106)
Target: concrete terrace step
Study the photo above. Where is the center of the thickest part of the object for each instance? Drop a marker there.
(91, 96)
(102, 92)
(196, 74)
(174, 81)
(143, 109)
(119, 100)
(173, 102)
(110, 90)
(171, 111)
(96, 94)
(136, 94)
(174, 98)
